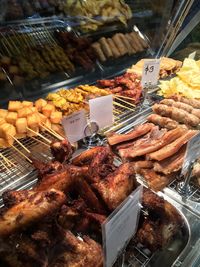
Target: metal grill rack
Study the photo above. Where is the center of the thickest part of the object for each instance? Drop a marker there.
(194, 196)
(139, 256)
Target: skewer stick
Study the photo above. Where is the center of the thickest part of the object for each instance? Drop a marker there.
(58, 136)
(40, 135)
(22, 154)
(27, 150)
(125, 97)
(5, 166)
(128, 103)
(37, 140)
(120, 105)
(9, 162)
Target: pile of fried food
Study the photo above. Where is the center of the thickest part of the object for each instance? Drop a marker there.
(26, 118)
(92, 15)
(71, 100)
(127, 85)
(119, 45)
(157, 148)
(58, 222)
(168, 66)
(186, 83)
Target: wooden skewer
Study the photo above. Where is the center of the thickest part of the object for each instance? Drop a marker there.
(21, 153)
(9, 162)
(120, 105)
(128, 103)
(27, 150)
(125, 97)
(37, 140)
(59, 137)
(40, 135)
(5, 166)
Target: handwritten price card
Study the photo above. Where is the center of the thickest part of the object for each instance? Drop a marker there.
(150, 73)
(74, 126)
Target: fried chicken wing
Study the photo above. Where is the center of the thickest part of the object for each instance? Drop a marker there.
(117, 186)
(62, 150)
(86, 157)
(31, 210)
(79, 252)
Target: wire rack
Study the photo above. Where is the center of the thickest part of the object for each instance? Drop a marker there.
(195, 189)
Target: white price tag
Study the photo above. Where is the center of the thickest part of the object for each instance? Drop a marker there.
(192, 153)
(101, 110)
(121, 226)
(74, 126)
(192, 55)
(150, 73)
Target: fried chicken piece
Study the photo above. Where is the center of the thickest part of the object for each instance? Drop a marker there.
(117, 186)
(11, 198)
(101, 165)
(86, 157)
(79, 252)
(86, 192)
(30, 211)
(153, 203)
(62, 150)
(46, 168)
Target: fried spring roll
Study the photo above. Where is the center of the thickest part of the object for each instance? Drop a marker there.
(136, 41)
(113, 47)
(120, 45)
(130, 40)
(105, 47)
(97, 48)
(126, 44)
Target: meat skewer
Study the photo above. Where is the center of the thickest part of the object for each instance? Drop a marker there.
(192, 102)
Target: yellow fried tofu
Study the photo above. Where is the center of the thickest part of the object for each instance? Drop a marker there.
(14, 105)
(3, 113)
(4, 143)
(48, 109)
(56, 117)
(40, 103)
(2, 121)
(21, 125)
(24, 112)
(20, 135)
(7, 131)
(11, 117)
(32, 121)
(27, 104)
(43, 118)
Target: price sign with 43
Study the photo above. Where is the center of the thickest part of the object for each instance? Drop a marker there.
(150, 72)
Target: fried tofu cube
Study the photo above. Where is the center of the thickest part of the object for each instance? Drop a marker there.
(21, 125)
(3, 113)
(2, 121)
(48, 109)
(7, 131)
(4, 143)
(24, 112)
(27, 104)
(58, 129)
(56, 117)
(43, 118)
(40, 103)
(14, 105)
(34, 109)
(48, 124)
(20, 135)
(32, 121)
(11, 117)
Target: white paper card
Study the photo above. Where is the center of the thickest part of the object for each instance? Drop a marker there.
(192, 152)
(74, 126)
(192, 55)
(121, 226)
(150, 73)
(101, 110)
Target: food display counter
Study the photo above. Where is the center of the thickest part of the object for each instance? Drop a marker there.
(57, 197)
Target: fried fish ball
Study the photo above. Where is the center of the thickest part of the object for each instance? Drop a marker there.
(14, 105)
